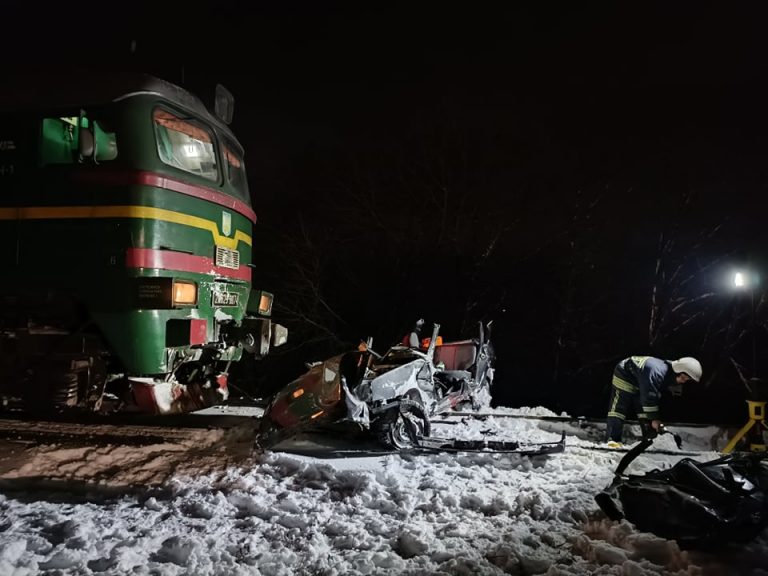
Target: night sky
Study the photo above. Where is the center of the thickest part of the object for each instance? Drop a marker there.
(530, 166)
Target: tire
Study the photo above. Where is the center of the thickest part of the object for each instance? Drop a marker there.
(401, 427)
(269, 434)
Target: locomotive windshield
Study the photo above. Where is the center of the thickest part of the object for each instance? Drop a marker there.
(185, 145)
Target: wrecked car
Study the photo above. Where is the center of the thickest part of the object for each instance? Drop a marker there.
(698, 504)
(392, 395)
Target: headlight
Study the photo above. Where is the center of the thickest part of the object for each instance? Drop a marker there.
(184, 293)
(260, 303)
(265, 303)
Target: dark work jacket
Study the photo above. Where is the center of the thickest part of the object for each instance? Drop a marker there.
(411, 340)
(647, 376)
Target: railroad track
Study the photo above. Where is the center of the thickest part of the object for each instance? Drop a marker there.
(122, 429)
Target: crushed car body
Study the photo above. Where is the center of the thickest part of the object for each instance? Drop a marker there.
(394, 395)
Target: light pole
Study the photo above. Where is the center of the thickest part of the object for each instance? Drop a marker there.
(756, 425)
(746, 280)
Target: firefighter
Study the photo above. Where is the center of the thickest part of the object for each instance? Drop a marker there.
(413, 338)
(638, 382)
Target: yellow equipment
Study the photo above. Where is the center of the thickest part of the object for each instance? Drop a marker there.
(756, 418)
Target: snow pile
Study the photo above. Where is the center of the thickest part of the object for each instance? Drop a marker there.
(285, 514)
(535, 411)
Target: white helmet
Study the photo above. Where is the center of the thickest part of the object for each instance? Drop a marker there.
(689, 366)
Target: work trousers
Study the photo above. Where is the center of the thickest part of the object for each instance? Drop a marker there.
(622, 403)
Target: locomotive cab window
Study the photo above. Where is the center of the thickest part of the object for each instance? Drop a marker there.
(74, 139)
(235, 168)
(184, 145)
(58, 142)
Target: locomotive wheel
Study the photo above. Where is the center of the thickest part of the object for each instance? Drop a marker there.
(400, 428)
(65, 390)
(48, 391)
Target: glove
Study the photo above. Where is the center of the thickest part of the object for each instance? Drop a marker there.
(648, 430)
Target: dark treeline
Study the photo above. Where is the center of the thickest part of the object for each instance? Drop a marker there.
(587, 178)
(459, 215)
(588, 190)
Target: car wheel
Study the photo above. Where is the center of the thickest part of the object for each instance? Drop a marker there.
(402, 427)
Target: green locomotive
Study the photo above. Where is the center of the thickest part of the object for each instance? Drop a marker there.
(125, 247)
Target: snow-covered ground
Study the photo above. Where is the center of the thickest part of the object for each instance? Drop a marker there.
(207, 505)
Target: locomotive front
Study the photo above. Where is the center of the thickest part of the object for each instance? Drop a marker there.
(126, 249)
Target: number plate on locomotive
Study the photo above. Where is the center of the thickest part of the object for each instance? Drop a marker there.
(227, 258)
(225, 298)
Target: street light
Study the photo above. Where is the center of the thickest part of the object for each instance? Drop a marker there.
(744, 279)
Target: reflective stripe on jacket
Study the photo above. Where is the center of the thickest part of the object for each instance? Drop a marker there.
(647, 376)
